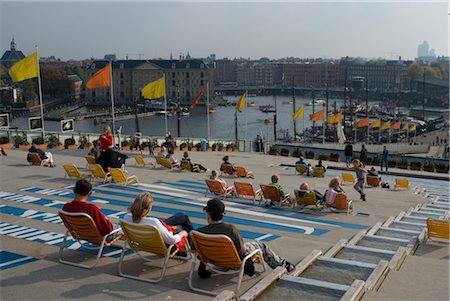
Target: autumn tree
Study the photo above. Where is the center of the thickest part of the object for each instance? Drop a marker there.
(54, 80)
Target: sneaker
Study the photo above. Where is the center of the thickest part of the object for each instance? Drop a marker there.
(249, 268)
(363, 197)
(203, 272)
(182, 254)
(289, 266)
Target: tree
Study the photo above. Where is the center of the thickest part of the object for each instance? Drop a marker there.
(54, 80)
(415, 70)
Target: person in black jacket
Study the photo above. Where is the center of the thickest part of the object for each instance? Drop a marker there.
(111, 158)
(348, 152)
(46, 157)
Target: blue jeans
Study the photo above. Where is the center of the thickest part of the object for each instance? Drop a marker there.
(348, 159)
(385, 164)
(180, 220)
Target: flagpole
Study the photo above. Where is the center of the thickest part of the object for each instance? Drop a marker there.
(323, 125)
(165, 104)
(245, 129)
(40, 93)
(207, 110)
(112, 103)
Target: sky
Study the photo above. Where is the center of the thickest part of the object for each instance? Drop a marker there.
(80, 30)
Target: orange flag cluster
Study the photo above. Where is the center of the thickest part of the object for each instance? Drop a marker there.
(100, 79)
(317, 116)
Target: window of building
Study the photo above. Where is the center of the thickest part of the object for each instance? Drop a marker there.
(121, 66)
(188, 93)
(173, 74)
(201, 82)
(188, 65)
(93, 66)
(93, 94)
(187, 74)
(121, 82)
(173, 83)
(122, 94)
(201, 74)
(121, 74)
(174, 66)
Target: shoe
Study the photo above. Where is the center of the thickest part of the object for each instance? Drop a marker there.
(203, 272)
(289, 266)
(249, 268)
(182, 254)
(363, 197)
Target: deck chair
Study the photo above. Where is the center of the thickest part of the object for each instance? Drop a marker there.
(318, 172)
(98, 173)
(73, 172)
(36, 159)
(89, 160)
(341, 203)
(219, 254)
(401, 183)
(347, 178)
(146, 238)
(226, 169)
(216, 187)
(118, 176)
(438, 229)
(300, 169)
(308, 199)
(373, 181)
(140, 161)
(164, 162)
(243, 173)
(246, 190)
(185, 166)
(271, 193)
(83, 229)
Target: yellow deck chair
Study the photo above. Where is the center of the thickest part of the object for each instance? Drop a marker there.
(246, 190)
(217, 188)
(300, 169)
(89, 160)
(438, 228)
(185, 166)
(73, 172)
(308, 199)
(98, 173)
(83, 229)
(271, 193)
(164, 162)
(118, 176)
(401, 183)
(218, 252)
(146, 238)
(140, 161)
(318, 172)
(347, 178)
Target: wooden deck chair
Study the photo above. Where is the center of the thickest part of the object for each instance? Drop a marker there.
(271, 193)
(89, 160)
(401, 183)
(341, 203)
(83, 229)
(300, 169)
(216, 187)
(140, 161)
(243, 173)
(118, 176)
(308, 199)
(347, 178)
(226, 169)
(164, 162)
(36, 159)
(146, 238)
(218, 252)
(373, 181)
(438, 229)
(318, 172)
(246, 190)
(73, 172)
(98, 173)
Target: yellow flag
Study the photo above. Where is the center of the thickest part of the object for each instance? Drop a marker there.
(413, 128)
(405, 127)
(299, 113)
(336, 118)
(385, 126)
(154, 89)
(241, 103)
(375, 124)
(25, 68)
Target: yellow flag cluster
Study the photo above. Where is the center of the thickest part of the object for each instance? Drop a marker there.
(375, 124)
(385, 126)
(336, 118)
(241, 103)
(413, 128)
(299, 113)
(25, 69)
(154, 90)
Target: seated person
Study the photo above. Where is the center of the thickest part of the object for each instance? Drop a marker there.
(319, 164)
(82, 191)
(274, 182)
(46, 157)
(3, 151)
(194, 167)
(300, 162)
(214, 212)
(215, 176)
(304, 188)
(333, 189)
(96, 149)
(171, 157)
(111, 158)
(138, 214)
(162, 152)
(226, 163)
(373, 173)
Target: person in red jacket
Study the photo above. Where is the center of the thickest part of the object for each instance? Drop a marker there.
(106, 138)
(82, 191)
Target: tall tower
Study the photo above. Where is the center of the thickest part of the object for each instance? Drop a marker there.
(423, 49)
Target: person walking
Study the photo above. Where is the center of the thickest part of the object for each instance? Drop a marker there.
(363, 155)
(138, 138)
(348, 152)
(384, 158)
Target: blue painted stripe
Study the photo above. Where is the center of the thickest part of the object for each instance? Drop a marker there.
(10, 260)
(201, 184)
(184, 186)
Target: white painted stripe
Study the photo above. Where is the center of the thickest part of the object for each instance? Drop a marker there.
(9, 231)
(15, 261)
(22, 232)
(264, 237)
(28, 188)
(100, 201)
(35, 232)
(69, 186)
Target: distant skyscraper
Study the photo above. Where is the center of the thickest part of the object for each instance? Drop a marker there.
(423, 49)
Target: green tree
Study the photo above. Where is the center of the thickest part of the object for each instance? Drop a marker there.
(415, 70)
(54, 80)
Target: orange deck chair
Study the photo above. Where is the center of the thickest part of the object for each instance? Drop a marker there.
(271, 193)
(226, 169)
(216, 187)
(36, 159)
(373, 181)
(246, 190)
(243, 173)
(341, 203)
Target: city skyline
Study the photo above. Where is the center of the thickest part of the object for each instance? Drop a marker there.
(250, 30)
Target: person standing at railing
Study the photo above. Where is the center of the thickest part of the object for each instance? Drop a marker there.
(384, 158)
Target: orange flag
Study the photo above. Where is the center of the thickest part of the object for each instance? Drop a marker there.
(363, 122)
(196, 99)
(317, 116)
(395, 126)
(100, 79)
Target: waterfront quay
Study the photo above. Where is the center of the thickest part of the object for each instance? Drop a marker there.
(31, 231)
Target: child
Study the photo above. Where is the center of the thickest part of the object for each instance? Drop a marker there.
(359, 170)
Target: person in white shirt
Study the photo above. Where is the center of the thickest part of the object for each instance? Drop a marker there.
(141, 208)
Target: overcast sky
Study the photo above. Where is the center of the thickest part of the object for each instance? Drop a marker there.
(78, 30)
